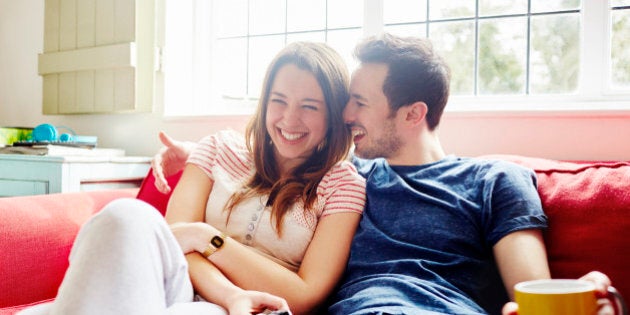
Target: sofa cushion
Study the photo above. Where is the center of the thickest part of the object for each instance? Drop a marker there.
(36, 235)
(152, 196)
(588, 206)
(578, 197)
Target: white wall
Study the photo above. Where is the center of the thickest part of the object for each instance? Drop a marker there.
(580, 137)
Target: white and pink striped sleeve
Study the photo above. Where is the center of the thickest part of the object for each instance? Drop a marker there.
(204, 155)
(343, 189)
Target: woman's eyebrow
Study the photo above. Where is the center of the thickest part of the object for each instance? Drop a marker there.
(278, 94)
(314, 100)
(308, 99)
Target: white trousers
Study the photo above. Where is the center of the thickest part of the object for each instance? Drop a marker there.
(125, 260)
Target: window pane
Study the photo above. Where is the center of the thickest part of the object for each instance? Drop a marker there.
(230, 18)
(306, 15)
(620, 48)
(555, 5)
(619, 3)
(555, 53)
(451, 9)
(230, 67)
(261, 52)
(407, 30)
(502, 47)
(343, 41)
(502, 7)
(319, 37)
(455, 42)
(346, 13)
(404, 11)
(266, 16)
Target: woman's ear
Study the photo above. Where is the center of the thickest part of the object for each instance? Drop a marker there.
(416, 112)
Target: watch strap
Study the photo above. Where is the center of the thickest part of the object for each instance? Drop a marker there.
(216, 242)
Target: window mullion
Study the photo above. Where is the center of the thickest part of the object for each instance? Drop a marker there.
(528, 37)
(476, 61)
(594, 46)
(202, 54)
(373, 21)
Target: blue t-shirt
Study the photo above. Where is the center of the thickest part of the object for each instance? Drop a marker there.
(424, 244)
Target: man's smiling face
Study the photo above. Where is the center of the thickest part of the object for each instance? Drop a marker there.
(368, 114)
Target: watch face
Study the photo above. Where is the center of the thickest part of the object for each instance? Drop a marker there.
(217, 241)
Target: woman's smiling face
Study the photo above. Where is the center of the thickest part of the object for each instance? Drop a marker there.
(296, 117)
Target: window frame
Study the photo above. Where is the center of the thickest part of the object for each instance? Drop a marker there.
(595, 95)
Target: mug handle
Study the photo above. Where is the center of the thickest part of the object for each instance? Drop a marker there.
(619, 304)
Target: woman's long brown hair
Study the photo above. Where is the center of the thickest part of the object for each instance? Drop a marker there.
(332, 75)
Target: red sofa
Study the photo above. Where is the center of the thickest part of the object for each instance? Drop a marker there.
(588, 205)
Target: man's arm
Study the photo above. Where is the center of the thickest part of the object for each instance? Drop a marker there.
(521, 256)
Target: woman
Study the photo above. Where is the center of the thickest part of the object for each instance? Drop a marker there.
(252, 216)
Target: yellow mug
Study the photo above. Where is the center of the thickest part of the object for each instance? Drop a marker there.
(560, 297)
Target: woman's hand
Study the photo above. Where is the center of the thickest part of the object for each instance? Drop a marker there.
(192, 236)
(254, 302)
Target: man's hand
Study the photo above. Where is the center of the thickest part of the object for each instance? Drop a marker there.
(601, 281)
(169, 160)
(254, 302)
(511, 308)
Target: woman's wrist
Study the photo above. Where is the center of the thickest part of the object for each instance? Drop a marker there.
(209, 236)
(231, 297)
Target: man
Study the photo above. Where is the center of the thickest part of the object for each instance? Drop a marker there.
(434, 224)
(440, 234)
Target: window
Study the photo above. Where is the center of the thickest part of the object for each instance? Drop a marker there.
(505, 55)
(218, 68)
(620, 49)
(499, 47)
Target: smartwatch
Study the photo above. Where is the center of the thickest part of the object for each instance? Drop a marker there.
(216, 242)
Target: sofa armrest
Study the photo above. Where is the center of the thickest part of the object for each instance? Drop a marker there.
(36, 235)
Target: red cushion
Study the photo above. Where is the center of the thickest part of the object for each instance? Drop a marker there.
(588, 205)
(36, 234)
(152, 196)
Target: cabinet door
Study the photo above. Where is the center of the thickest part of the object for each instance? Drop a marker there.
(10, 188)
(27, 176)
(99, 56)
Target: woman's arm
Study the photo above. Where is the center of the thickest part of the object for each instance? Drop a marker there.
(321, 268)
(210, 283)
(185, 213)
(521, 256)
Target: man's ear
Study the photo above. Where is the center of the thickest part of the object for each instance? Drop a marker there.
(416, 112)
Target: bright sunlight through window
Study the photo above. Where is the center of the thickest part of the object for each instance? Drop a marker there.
(504, 54)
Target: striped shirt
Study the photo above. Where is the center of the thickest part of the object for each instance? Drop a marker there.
(226, 160)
